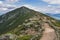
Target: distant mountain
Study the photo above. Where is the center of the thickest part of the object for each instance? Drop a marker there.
(25, 23)
(56, 16)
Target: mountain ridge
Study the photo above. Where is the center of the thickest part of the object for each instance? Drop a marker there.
(56, 16)
(26, 22)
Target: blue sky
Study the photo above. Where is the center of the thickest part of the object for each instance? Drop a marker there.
(45, 6)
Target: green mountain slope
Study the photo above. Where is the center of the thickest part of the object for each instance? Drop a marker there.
(14, 18)
(26, 22)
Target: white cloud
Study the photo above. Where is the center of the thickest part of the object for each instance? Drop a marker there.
(52, 1)
(29, 6)
(3, 9)
(32, 7)
(11, 1)
(6, 7)
(51, 9)
(57, 11)
(46, 9)
(1, 2)
(10, 5)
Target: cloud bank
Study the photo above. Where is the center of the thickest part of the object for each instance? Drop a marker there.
(52, 1)
(46, 9)
(7, 5)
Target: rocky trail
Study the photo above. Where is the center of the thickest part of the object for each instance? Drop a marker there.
(48, 33)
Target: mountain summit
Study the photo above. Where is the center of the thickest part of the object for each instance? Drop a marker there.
(14, 18)
(24, 24)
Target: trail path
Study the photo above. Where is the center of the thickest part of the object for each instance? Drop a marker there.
(48, 33)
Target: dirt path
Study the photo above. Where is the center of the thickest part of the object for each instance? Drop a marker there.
(49, 33)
